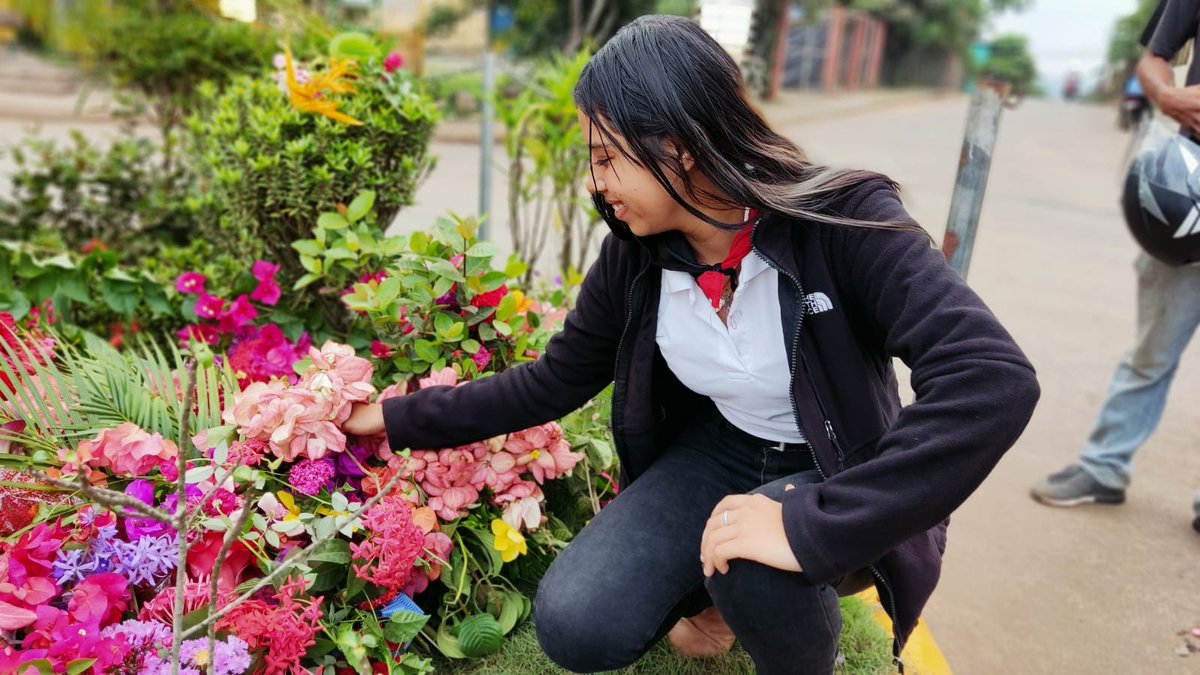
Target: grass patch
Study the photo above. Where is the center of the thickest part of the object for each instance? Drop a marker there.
(866, 648)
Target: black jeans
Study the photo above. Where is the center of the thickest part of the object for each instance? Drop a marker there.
(635, 569)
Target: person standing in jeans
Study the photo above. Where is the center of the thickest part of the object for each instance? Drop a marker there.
(746, 307)
(1168, 303)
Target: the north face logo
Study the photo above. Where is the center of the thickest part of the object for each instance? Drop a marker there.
(815, 303)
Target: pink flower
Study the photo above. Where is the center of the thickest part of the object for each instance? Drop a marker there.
(380, 351)
(393, 62)
(444, 377)
(100, 598)
(481, 358)
(126, 450)
(393, 544)
(267, 291)
(202, 333)
(308, 477)
(190, 283)
(259, 354)
(239, 313)
(543, 451)
(526, 510)
(209, 307)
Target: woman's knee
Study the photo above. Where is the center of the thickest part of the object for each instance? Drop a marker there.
(579, 630)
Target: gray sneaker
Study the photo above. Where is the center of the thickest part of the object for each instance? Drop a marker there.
(1074, 486)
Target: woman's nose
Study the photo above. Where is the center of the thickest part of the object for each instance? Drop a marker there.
(595, 185)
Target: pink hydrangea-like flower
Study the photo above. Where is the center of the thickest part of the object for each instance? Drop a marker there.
(393, 62)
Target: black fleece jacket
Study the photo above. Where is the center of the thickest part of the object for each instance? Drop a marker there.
(893, 475)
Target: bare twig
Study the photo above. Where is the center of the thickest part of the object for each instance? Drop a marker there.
(185, 420)
(117, 501)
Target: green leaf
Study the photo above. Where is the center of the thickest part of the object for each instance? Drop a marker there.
(389, 290)
(305, 280)
(418, 243)
(308, 247)
(426, 350)
(515, 267)
(361, 205)
(121, 296)
(454, 333)
(513, 610)
(79, 666)
(470, 346)
(333, 551)
(443, 268)
(506, 308)
(44, 667)
(447, 644)
(404, 626)
(332, 221)
(501, 328)
(600, 453)
(484, 249)
(197, 474)
(340, 253)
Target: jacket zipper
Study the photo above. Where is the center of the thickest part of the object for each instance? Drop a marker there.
(795, 350)
(828, 430)
(891, 603)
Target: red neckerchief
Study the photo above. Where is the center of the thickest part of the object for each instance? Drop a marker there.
(712, 282)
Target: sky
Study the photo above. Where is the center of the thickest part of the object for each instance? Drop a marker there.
(1065, 34)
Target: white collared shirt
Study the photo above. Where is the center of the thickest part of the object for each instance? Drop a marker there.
(742, 366)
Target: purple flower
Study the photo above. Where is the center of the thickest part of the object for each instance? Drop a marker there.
(143, 639)
(146, 561)
(449, 300)
(72, 566)
(230, 656)
(136, 528)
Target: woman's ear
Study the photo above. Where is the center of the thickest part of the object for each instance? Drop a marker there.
(685, 158)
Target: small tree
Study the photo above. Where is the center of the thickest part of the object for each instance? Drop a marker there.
(1011, 62)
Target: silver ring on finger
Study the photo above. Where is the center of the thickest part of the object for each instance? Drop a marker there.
(725, 519)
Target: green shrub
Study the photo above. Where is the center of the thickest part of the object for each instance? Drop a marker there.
(66, 195)
(270, 168)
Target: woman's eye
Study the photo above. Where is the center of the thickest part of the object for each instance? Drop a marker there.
(604, 161)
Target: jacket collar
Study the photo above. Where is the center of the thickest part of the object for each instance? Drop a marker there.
(773, 239)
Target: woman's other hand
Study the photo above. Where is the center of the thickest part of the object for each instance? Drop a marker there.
(748, 527)
(366, 419)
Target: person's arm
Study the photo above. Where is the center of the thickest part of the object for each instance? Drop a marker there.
(974, 393)
(1181, 104)
(577, 364)
(1171, 26)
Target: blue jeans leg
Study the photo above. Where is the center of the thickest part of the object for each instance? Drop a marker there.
(1168, 313)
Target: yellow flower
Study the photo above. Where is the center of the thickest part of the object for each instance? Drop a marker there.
(523, 303)
(289, 503)
(313, 95)
(509, 542)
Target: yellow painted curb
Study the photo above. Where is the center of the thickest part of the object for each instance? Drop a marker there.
(921, 654)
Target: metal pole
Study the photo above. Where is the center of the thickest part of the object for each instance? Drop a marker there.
(485, 132)
(983, 123)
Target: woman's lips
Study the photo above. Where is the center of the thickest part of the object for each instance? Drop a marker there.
(618, 209)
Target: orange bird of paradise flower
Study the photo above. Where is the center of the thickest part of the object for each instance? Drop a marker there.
(312, 96)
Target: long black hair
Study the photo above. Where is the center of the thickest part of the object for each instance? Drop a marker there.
(662, 83)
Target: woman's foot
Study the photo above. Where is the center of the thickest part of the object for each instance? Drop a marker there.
(703, 636)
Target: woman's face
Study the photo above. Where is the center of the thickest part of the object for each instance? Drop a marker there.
(632, 191)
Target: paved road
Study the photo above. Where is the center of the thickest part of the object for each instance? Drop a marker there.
(1027, 589)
